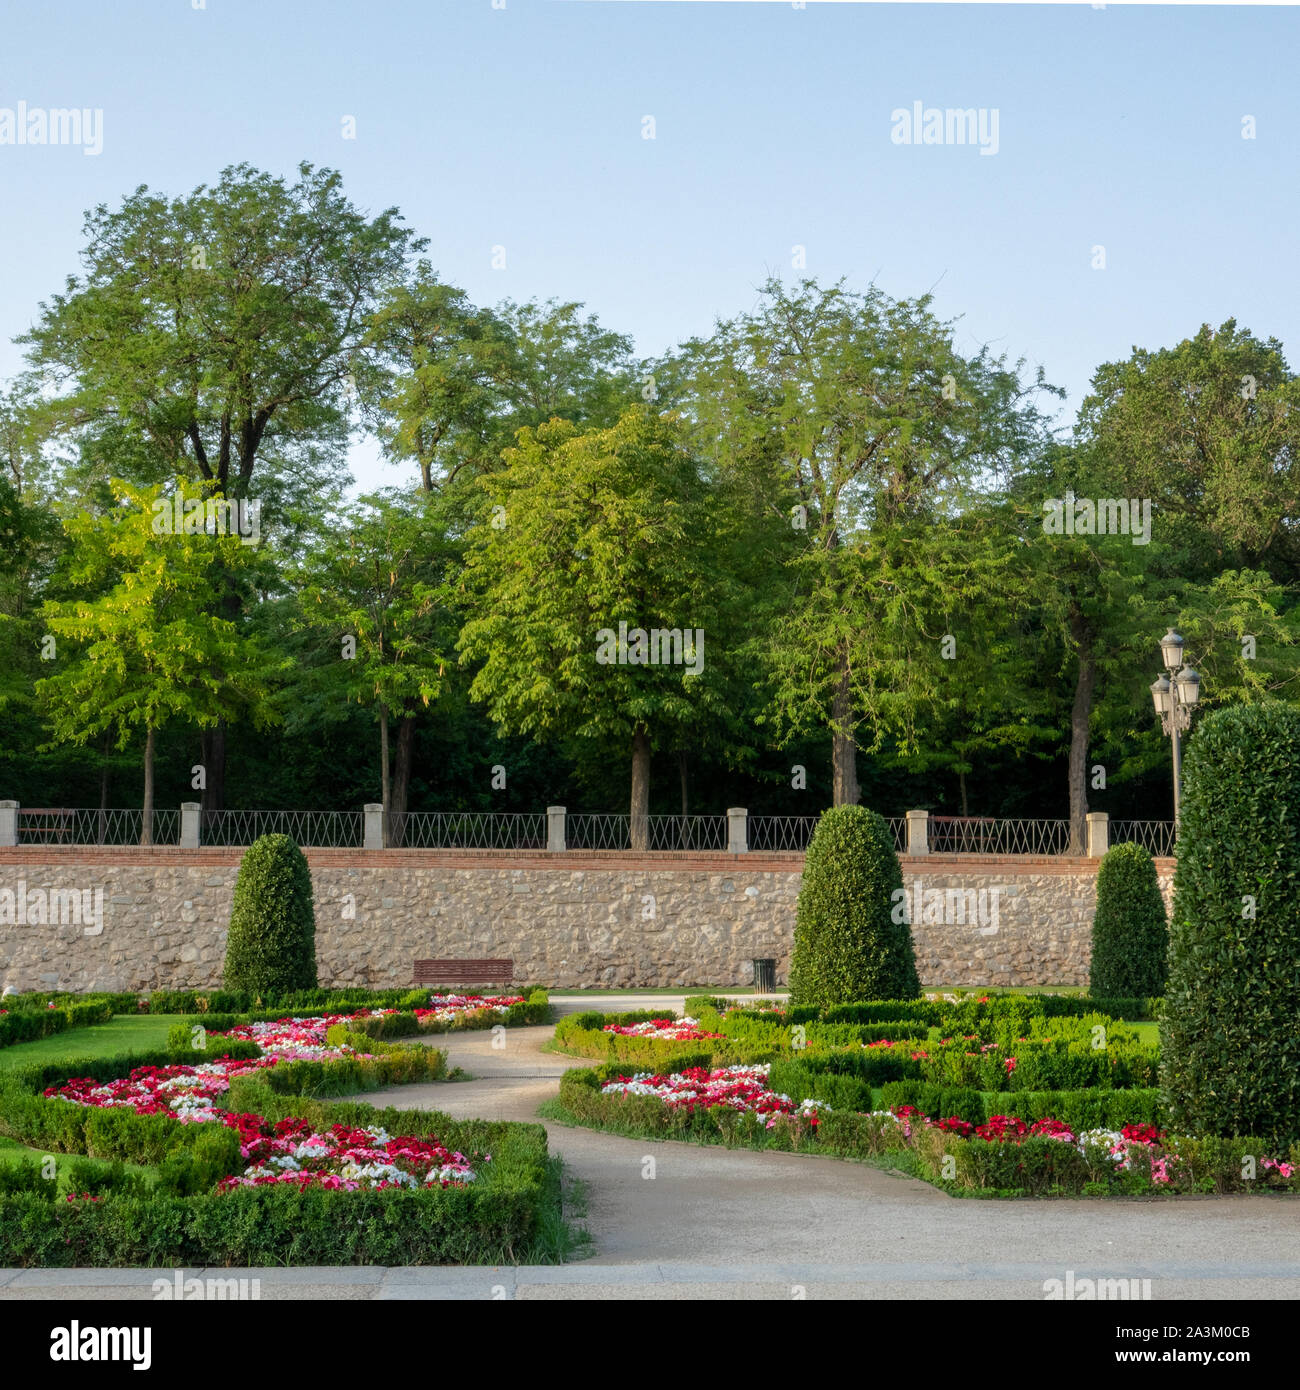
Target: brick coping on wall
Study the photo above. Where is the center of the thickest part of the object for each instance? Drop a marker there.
(670, 861)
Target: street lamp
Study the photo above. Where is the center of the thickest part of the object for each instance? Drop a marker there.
(1175, 699)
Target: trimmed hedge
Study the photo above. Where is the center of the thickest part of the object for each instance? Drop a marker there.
(271, 941)
(57, 1126)
(1035, 1166)
(1232, 1045)
(182, 1221)
(583, 1035)
(748, 1036)
(491, 1220)
(849, 941)
(1130, 929)
(27, 1025)
(1080, 1110)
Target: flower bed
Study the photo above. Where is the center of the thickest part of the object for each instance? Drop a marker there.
(342, 1156)
(663, 1030)
(188, 1090)
(1003, 1153)
(248, 1168)
(741, 1088)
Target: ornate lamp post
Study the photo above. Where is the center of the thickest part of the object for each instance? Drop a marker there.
(1175, 699)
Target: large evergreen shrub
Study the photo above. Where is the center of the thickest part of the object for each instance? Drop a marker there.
(271, 946)
(1231, 1025)
(847, 945)
(1130, 930)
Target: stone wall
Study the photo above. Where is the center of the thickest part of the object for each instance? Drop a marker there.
(566, 919)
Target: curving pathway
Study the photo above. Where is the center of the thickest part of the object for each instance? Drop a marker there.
(725, 1223)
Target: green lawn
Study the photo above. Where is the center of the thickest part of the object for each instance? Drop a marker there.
(126, 1033)
(13, 1152)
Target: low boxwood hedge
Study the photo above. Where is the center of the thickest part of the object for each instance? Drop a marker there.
(183, 1221)
(491, 1220)
(535, 1009)
(1080, 1110)
(118, 1132)
(27, 1025)
(235, 1001)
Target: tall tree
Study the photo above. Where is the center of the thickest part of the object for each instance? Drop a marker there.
(222, 331)
(864, 425)
(377, 584)
(590, 531)
(147, 649)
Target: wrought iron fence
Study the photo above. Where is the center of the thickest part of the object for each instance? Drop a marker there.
(1154, 835)
(662, 833)
(491, 830)
(780, 833)
(68, 825)
(314, 829)
(988, 835)
(465, 830)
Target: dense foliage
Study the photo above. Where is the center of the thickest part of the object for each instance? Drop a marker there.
(1232, 1048)
(848, 943)
(1130, 928)
(271, 943)
(846, 505)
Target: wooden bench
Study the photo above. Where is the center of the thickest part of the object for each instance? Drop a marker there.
(464, 972)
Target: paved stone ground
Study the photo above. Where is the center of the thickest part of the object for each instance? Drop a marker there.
(715, 1223)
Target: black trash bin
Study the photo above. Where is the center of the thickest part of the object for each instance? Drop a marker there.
(764, 975)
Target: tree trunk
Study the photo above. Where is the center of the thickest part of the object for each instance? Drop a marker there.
(641, 788)
(1080, 722)
(102, 834)
(385, 788)
(146, 820)
(212, 754)
(961, 783)
(402, 779)
(844, 753)
(683, 773)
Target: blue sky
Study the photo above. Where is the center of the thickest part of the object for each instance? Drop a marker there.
(522, 127)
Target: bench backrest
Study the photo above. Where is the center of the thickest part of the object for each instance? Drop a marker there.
(463, 972)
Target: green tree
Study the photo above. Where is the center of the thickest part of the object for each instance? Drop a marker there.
(1130, 929)
(377, 584)
(588, 531)
(437, 398)
(864, 429)
(271, 942)
(1208, 430)
(146, 648)
(223, 333)
(850, 940)
(1230, 1049)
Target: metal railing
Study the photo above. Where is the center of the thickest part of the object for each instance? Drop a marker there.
(781, 833)
(988, 835)
(1157, 836)
(314, 829)
(540, 831)
(464, 830)
(662, 833)
(67, 825)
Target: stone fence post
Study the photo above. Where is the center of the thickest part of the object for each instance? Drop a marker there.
(189, 825)
(8, 823)
(737, 830)
(555, 829)
(1098, 833)
(374, 834)
(918, 832)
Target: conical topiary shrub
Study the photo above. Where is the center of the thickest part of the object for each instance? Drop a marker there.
(847, 946)
(1130, 931)
(271, 945)
(1230, 1041)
